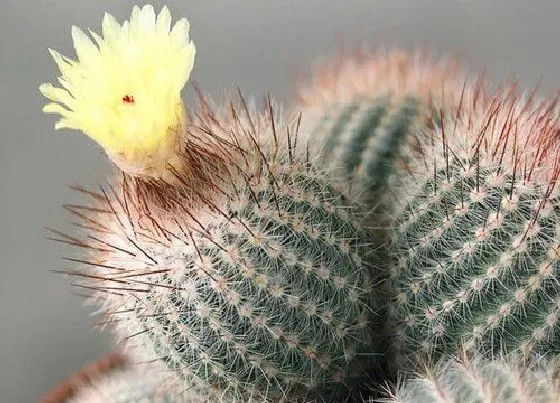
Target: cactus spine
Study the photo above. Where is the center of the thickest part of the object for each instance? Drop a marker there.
(482, 381)
(476, 236)
(261, 288)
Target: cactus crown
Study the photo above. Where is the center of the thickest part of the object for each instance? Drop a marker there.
(436, 84)
(384, 71)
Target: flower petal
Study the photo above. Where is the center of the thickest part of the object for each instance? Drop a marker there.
(163, 22)
(134, 21)
(67, 124)
(111, 28)
(56, 108)
(147, 20)
(85, 49)
(53, 93)
(64, 64)
(180, 32)
(187, 54)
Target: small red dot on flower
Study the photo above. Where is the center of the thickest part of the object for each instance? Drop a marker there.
(129, 99)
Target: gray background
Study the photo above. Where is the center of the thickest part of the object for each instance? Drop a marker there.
(258, 45)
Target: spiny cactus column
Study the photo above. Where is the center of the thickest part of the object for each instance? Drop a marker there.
(476, 237)
(359, 112)
(219, 254)
(362, 138)
(482, 381)
(260, 292)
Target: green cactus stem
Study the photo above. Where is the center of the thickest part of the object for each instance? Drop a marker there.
(261, 291)
(476, 236)
(359, 114)
(362, 139)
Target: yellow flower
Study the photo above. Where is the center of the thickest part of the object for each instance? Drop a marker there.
(124, 91)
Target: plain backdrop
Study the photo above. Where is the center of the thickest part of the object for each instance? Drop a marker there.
(258, 45)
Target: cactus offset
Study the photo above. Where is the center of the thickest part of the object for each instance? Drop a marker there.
(482, 381)
(476, 236)
(128, 386)
(362, 139)
(261, 289)
(360, 113)
(114, 379)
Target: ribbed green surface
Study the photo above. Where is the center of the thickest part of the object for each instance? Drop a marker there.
(277, 297)
(477, 262)
(482, 381)
(362, 139)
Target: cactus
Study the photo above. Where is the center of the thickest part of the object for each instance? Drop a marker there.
(360, 113)
(131, 385)
(436, 83)
(128, 386)
(364, 116)
(261, 288)
(122, 387)
(231, 253)
(219, 253)
(482, 381)
(114, 379)
(476, 234)
(363, 139)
